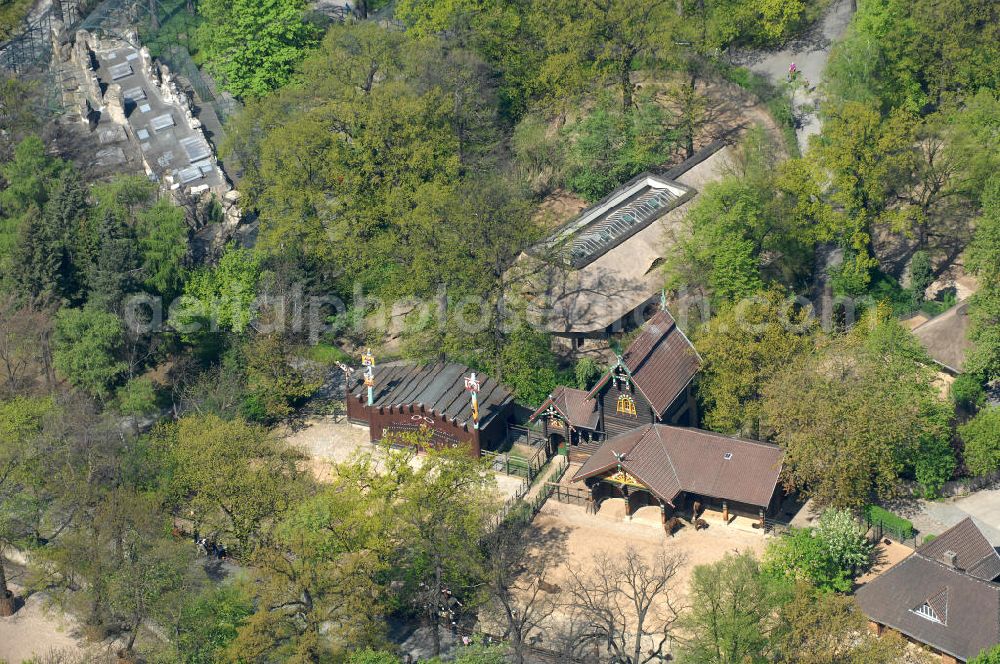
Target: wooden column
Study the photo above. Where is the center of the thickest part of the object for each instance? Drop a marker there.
(628, 502)
(725, 512)
(762, 519)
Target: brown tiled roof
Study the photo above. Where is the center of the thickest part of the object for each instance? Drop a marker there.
(661, 361)
(438, 387)
(968, 608)
(669, 460)
(973, 553)
(575, 405)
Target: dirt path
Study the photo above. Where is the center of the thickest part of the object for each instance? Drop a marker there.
(810, 54)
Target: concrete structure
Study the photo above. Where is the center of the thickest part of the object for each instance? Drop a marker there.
(141, 114)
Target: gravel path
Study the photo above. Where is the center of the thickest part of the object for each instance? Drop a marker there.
(810, 54)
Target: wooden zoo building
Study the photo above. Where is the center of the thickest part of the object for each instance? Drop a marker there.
(405, 397)
(649, 383)
(683, 470)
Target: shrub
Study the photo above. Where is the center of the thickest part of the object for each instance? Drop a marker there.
(921, 275)
(587, 372)
(981, 436)
(843, 539)
(967, 392)
(607, 147)
(802, 556)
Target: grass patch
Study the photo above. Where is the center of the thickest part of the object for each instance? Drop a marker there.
(327, 354)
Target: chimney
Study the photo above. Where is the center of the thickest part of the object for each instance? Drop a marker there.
(949, 559)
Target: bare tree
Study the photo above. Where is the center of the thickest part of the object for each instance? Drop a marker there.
(520, 598)
(24, 349)
(623, 605)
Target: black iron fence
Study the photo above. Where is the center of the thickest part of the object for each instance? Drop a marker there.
(511, 463)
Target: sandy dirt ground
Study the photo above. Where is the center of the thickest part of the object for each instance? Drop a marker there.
(887, 553)
(574, 537)
(328, 441)
(36, 631)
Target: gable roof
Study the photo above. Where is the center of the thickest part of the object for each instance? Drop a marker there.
(437, 387)
(661, 362)
(968, 609)
(669, 460)
(574, 405)
(973, 553)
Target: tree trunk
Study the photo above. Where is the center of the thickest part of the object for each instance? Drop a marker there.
(626, 84)
(689, 146)
(7, 600)
(435, 612)
(154, 19)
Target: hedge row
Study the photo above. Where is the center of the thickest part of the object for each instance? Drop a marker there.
(903, 528)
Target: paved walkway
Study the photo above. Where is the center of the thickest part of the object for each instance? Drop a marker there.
(810, 53)
(983, 506)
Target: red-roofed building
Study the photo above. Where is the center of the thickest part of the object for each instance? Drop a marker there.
(650, 383)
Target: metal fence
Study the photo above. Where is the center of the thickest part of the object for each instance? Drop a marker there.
(570, 494)
(31, 46)
(514, 465)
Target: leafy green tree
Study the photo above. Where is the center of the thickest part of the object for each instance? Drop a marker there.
(208, 623)
(921, 275)
(608, 146)
(967, 392)
(915, 54)
(221, 297)
(587, 371)
(87, 347)
(991, 656)
(828, 628)
(981, 437)
(232, 478)
(445, 505)
(604, 41)
(137, 397)
(757, 225)
(147, 569)
(321, 592)
(741, 348)
(528, 365)
(369, 656)
(983, 259)
(869, 161)
(253, 46)
(732, 617)
(275, 386)
(852, 417)
(21, 457)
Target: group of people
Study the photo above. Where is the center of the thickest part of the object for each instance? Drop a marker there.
(211, 548)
